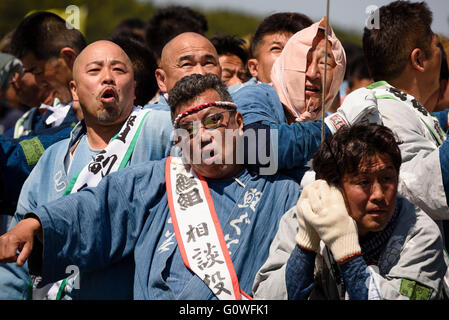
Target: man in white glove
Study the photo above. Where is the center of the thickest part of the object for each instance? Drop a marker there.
(278, 111)
(373, 242)
(360, 107)
(9, 67)
(323, 209)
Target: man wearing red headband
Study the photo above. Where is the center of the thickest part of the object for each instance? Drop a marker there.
(191, 222)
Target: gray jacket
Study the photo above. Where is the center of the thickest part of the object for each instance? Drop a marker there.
(414, 252)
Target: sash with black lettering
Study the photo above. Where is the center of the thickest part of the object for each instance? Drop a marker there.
(198, 231)
(114, 157)
(431, 123)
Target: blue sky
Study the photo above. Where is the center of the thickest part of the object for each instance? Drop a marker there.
(346, 14)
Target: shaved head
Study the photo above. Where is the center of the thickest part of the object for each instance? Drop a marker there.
(186, 54)
(103, 83)
(84, 57)
(184, 40)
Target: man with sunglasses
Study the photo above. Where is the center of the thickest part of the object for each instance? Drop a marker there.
(192, 223)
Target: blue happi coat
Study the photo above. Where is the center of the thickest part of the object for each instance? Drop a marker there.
(48, 181)
(127, 214)
(19, 156)
(296, 143)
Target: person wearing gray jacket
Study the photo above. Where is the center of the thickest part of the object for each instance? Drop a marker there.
(351, 236)
(404, 60)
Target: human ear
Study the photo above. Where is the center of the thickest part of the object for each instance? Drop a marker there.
(68, 55)
(161, 79)
(417, 59)
(253, 66)
(73, 88)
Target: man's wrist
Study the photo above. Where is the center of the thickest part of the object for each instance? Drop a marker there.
(36, 225)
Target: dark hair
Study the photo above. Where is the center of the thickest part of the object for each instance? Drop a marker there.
(281, 22)
(193, 85)
(343, 152)
(171, 21)
(44, 34)
(127, 28)
(357, 69)
(230, 44)
(5, 42)
(403, 26)
(444, 72)
(144, 66)
(352, 51)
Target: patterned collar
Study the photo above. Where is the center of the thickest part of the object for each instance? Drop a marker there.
(373, 245)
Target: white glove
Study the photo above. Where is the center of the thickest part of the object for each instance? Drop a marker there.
(306, 238)
(9, 66)
(358, 106)
(325, 210)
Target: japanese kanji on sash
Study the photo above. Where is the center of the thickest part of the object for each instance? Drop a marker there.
(198, 231)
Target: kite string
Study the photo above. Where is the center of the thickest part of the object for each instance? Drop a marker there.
(323, 92)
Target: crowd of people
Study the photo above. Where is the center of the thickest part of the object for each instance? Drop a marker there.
(160, 164)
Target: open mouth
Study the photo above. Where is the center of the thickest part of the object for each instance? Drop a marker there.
(377, 212)
(108, 96)
(312, 90)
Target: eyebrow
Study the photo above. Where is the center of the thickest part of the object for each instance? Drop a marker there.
(101, 63)
(192, 57)
(228, 70)
(385, 169)
(322, 52)
(208, 112)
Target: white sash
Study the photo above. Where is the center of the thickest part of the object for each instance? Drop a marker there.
(429, 121)
(114, 157)
(198, 231)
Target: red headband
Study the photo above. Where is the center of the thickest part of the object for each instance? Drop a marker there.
(224, 104)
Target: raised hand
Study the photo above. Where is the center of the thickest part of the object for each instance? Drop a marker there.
(325, 210)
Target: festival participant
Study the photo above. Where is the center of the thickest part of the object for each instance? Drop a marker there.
(51, 64)
(232, 57)
(185, 54)
(286, 109)
(405, 87)
(145, 210)
(113, 135)
(374, 243)
(269, 40)
(166, 24)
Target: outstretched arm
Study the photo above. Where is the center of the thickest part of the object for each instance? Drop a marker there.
(16, 245)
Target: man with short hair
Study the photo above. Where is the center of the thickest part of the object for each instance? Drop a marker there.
(351, 236)
(286, 112)
(232, 57)
(169, 22)
(269, 40)
(406, 81)
(145, 211)
(113, 134)
(47, 49)
(144, 65)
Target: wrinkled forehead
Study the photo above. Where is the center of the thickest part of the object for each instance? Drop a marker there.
(102, 51)
(319, 45)
(188, 45)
